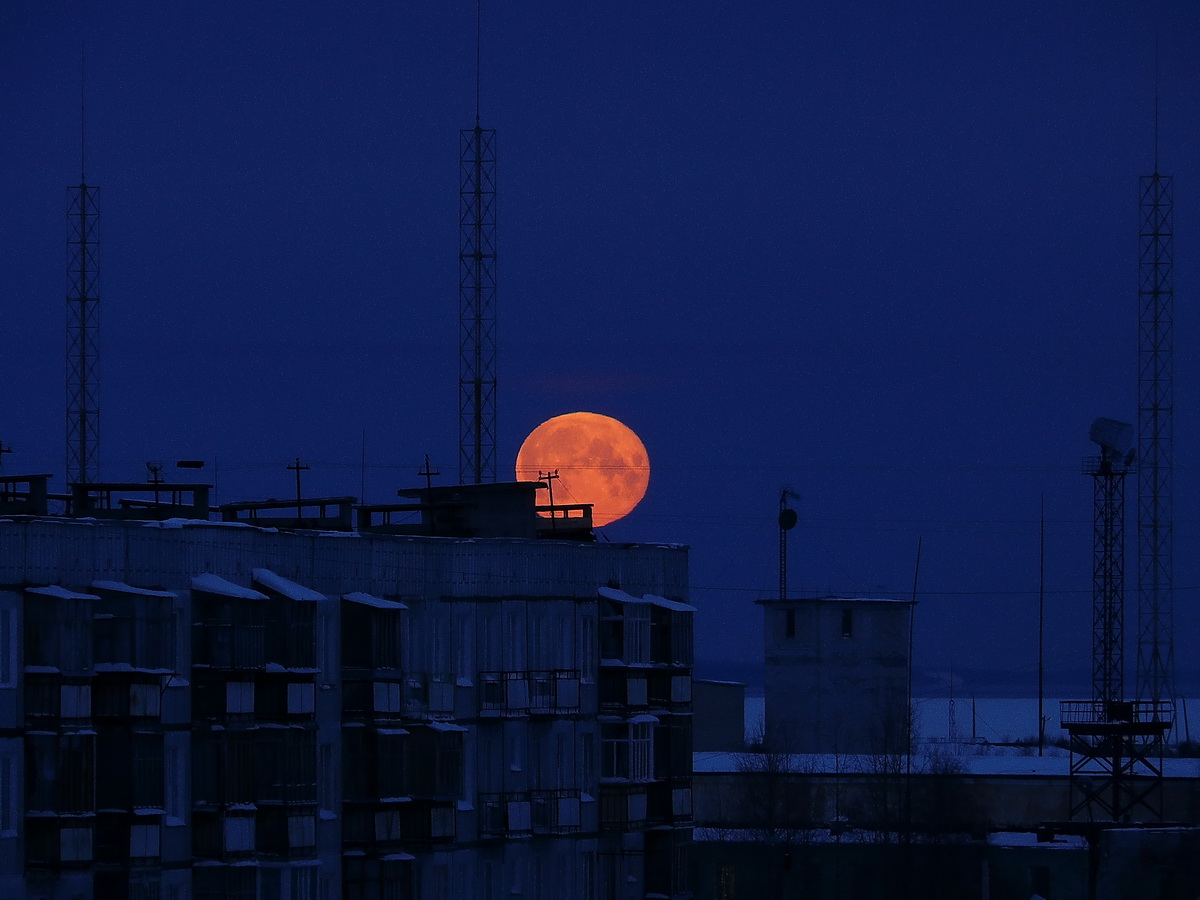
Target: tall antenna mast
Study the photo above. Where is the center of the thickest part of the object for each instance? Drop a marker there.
(477, 293)
(83, 300)
(1156, 300)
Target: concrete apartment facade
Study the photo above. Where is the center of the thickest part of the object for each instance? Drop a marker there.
(192, 709)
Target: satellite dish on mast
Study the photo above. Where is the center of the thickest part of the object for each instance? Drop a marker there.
(787, 519)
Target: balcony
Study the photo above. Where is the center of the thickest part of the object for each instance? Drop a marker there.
(555, 812)
(1144, 717)
(623, 805)
(543, 692)
(505, 815)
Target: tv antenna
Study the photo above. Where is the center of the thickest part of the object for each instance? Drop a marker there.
(787, 521)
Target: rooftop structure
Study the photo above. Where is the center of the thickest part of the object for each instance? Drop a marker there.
(837, 674)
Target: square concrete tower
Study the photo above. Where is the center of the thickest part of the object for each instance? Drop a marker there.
(837, 674)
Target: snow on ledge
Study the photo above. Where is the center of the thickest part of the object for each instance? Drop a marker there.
(280, 585)
(123, 588)
(673, 605)
(619, 596)
(215, 584)
(60, 593)
(370, 600)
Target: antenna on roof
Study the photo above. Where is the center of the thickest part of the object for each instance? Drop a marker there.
(478, 55)
(82, 111)
(477, 293)
(83, 308)
(1156, 101)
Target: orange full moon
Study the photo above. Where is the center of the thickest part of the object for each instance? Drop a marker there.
(599, 461)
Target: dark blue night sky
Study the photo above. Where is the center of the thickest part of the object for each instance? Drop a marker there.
(883, 253)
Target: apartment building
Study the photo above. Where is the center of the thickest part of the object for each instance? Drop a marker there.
(197, 709)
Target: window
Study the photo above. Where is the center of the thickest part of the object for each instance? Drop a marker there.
(239, 697)
(641, 757)
(143, 841)
(637, 634)
(387, 696)
(144, 699)
(301, 831)
(587, 755)
(636, 692)
(614, 751)
(174, 786)
(847, 623)
(464, 649)
(75, 844)
(8, 649)
(387, 825)
(681, 689)
(8, 800)
(147, 770)
(76, 701)
(789, 627)
(627, 751)
(300, 699)
(239, 834)
(587, 647)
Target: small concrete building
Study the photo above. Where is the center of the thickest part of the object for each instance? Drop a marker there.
(837, 674)
(718, 715)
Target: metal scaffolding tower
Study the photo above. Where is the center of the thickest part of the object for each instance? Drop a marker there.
(1108, 471)
(83, 302)
(1116, 744)
(477, 306)
(1156, 651)
(477, 291)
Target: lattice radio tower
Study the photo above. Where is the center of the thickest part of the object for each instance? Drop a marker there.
(477, 294)
(83, 303)
(1156, 294)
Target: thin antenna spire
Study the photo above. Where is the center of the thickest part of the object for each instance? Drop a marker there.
(478, 55)
(1155, 101)
(82, 113)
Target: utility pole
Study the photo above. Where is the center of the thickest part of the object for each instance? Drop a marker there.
(1042, 630)
(154, 476)
(549, 477)
(298, 468)
(3, 450)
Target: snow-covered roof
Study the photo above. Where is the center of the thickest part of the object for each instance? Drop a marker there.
(123, 588)
(673, 605)
(371, 600)
(61, 593)
(619, 596)
(280, 585)
(215, 584)
(1030, 839)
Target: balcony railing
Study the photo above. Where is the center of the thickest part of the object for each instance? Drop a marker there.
(505, 815)
(623, 805)
(555, 812)
(537, 692)
(1136, 715)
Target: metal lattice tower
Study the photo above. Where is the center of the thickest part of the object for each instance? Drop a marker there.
(477, 306)
(477, 292)
(1116, 744)
(1108, 574)
(1156, 652)
(83, 302)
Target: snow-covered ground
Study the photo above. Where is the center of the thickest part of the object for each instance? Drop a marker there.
(985, 720)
